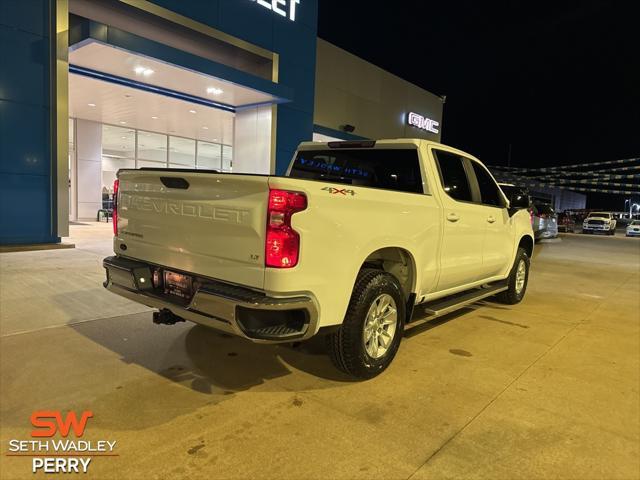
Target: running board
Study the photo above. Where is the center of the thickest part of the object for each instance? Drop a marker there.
(441, 307)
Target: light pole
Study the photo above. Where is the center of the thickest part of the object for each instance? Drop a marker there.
(625, 206)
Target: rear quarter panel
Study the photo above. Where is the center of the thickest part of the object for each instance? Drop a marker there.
(339, 231)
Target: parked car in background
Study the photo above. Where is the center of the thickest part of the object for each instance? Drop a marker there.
(599, 222)
(633, 229)
(566, 223)
(545, 221)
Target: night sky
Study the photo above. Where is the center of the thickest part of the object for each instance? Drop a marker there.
(559, 81)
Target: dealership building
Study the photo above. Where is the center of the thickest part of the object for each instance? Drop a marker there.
(91, 86)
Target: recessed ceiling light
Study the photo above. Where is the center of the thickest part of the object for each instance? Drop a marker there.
(155, 118)
(91, 104)
(205, 128)
(214, 91)
(192, 111)
(140, 70)
(123, 123)
(124, 138)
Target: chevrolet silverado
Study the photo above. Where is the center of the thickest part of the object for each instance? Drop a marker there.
(356, 237)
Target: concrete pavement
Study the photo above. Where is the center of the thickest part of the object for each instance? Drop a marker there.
(549, 388)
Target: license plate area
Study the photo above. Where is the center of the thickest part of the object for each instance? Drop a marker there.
(178, 285)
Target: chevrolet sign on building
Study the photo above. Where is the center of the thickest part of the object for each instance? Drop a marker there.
(284, 8)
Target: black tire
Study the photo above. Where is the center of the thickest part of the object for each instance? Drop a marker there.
(612, 232)
(511, 296)
(346, 346)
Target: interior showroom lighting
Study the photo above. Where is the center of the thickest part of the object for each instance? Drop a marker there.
(214, 91)
(140, 70)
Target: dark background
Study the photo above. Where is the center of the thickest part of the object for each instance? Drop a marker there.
(558, 81)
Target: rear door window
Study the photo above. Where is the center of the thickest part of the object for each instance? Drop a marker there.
(489, 190)
(453, 175)
(387, 169)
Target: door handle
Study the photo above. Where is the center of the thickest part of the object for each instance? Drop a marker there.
(452, 217)
(491, 219)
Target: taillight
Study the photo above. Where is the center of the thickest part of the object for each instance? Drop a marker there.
(282, 246)
(114, 216)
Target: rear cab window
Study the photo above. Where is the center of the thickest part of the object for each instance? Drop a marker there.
(382, 168)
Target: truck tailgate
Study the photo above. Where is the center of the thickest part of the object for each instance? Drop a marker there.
(208, 224)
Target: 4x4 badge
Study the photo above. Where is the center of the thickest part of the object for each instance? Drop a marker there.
(339, 191)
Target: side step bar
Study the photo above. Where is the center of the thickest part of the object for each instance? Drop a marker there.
(442, 306)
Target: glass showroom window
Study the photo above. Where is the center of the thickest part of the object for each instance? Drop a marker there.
(182, 152)
(72, 169)
(152, 150)
(118, 151)
(227, 158)
(209, 156)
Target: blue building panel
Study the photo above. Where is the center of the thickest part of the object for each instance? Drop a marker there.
(25, 212)
(26, 206)
(24, 139)
(25, 15)
(202, 11)
(246, 20)
(24, 66)
(295, 43)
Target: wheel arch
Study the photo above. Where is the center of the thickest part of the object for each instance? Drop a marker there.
(527, 243)
(396, 261)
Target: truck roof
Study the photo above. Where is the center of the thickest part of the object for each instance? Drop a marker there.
(389, 143)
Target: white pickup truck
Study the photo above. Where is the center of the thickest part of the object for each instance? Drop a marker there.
(599, 222)
(354, 238)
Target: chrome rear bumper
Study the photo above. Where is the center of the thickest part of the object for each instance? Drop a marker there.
(230, 308)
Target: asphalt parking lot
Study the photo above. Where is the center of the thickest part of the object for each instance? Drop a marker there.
(549, 388)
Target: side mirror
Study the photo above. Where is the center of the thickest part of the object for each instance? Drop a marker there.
(519, 202)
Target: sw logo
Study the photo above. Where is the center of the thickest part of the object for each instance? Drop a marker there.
(339, 191)
(61, 454)
(45, 425)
